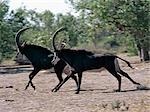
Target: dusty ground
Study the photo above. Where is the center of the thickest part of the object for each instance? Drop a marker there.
(96, 96)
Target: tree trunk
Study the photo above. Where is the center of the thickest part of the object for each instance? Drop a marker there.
(139, 52)
(144, 54)
(95, 43)
(143, 47)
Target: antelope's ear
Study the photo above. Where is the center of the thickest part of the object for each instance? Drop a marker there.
(23, 44)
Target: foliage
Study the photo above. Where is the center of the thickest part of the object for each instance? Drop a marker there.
(101, 24)
(130, 17)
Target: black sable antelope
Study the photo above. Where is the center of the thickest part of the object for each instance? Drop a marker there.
(82, 60)
(41, 58)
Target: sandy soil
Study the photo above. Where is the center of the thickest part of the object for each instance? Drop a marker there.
(96, 96)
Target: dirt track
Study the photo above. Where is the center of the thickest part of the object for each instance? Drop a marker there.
(96, 96)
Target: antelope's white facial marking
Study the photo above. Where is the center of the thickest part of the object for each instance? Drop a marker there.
(55, 58)
(50, 55)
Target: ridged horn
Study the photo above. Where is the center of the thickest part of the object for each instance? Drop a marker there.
(54, 36)
(17, 37)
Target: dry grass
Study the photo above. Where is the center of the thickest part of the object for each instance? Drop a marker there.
(96, 96)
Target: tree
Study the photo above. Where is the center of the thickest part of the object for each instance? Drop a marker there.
(5, 32)
(129, 17)
(10, 23)
(140, 28)
(70, 22)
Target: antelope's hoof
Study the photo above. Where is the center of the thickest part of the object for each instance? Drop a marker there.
(33, 87)
(117, 90)
(54, 90)
(26, 88)
(77, 92)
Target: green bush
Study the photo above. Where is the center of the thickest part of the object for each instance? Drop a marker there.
(0, 57)
(131, 48)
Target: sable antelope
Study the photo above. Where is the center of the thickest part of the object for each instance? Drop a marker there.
(40, 58)
(82, 60)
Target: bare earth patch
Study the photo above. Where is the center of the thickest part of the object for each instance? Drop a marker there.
(96, 96)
